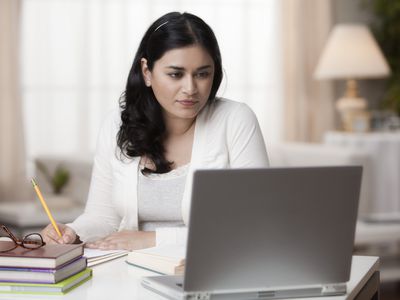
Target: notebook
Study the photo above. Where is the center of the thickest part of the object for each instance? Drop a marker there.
(267, 234)
(59, 288)
(97, 256)
(164, 259)
(42, 275)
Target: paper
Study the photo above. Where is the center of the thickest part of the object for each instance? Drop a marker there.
(96, 256)
(176, 252)
(167, 259)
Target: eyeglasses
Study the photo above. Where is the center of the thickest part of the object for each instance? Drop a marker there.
(31, 241)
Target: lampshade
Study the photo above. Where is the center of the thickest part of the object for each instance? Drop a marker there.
(351, 53)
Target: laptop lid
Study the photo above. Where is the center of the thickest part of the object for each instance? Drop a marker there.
(261, 228)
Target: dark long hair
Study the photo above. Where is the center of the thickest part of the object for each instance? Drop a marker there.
(142, 131)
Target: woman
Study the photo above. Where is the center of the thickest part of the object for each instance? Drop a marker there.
(169, 124)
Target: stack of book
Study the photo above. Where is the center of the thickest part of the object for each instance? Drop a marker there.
(51, 269)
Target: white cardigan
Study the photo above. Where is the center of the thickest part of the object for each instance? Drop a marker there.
(227, 135)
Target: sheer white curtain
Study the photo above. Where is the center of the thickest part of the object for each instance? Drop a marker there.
(13, 183)
(309, 105)
(77, 54)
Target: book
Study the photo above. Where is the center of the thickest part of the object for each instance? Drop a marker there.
(59, 288)
(164, 259)
(42, 275)
(48, 256)
(96, 256)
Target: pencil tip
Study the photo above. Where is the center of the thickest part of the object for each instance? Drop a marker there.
(33, 182)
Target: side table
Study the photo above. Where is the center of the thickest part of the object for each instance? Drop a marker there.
(384, 148)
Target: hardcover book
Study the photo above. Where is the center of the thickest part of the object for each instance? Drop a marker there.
(48, 256)
(166, 259)
(46, 289)
(42, 275)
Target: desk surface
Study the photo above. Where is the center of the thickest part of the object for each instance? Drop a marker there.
(118, 279)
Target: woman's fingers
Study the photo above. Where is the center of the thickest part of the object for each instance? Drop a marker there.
(68, 236)
(127, 239)
(50, 235)
(94, 245)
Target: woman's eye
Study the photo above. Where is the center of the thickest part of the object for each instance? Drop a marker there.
(175, 75)
(203, 74)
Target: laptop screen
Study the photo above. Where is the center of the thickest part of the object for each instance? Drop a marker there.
(260, 228)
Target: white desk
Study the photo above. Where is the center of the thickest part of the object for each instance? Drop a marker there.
(118, 280)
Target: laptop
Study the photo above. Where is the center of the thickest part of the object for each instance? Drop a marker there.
(267, 234)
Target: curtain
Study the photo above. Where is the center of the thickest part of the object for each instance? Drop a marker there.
(308, 104)
(13, 182)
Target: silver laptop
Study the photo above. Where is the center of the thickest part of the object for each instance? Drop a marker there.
(267, 234)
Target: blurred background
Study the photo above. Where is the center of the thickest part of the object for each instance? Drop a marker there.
(321, 75)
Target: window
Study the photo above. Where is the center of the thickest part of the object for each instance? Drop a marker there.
(76, 55)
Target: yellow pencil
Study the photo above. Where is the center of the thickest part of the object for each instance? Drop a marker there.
(36, 187)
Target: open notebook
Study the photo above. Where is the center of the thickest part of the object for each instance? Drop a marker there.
(95, 256)
(164, 259)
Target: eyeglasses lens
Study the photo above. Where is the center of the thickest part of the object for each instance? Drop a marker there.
(32, 241)
(6, 244)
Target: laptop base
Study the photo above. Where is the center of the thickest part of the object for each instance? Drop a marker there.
(170, 287)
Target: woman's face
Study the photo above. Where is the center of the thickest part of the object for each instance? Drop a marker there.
(181, 81)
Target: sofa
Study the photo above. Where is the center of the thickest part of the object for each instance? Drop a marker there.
(280, 154)
(79, 169)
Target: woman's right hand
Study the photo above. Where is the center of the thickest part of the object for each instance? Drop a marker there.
(50, 235)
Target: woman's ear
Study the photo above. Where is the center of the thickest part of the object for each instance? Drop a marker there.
(145, 72)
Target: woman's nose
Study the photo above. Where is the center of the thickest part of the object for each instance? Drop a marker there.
(190, 86)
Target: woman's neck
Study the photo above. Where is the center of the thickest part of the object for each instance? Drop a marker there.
(178, 142)
(178, 126)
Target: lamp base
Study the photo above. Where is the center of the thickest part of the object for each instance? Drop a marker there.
(354, 114)
(351, 104)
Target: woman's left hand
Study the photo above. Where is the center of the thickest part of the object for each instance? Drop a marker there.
(126, 239)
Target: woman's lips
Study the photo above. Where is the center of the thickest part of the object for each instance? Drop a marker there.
(187, 102)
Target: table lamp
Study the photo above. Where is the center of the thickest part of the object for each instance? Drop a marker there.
(351, 53)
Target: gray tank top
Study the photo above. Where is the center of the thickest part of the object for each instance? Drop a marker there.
(160, 197)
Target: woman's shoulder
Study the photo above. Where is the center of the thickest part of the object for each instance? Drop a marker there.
(227, 109)
(226, 103)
